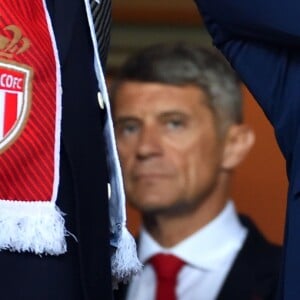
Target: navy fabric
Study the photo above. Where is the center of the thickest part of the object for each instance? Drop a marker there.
(263, 45)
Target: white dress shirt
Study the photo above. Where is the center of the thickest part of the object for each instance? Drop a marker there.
(209, 254)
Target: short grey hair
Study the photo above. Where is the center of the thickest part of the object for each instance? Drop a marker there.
(183, 64)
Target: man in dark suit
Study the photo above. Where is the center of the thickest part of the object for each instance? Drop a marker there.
(177, 111)
(261, 41)
(82, 269)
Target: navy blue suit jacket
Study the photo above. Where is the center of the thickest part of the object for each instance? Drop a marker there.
(261, 39)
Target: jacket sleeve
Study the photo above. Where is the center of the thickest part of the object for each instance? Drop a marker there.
(268, 20)
(250, 40)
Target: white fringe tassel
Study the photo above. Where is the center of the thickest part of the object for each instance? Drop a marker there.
(124, 261)
(33, 227)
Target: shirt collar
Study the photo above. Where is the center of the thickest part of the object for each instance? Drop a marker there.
(208, 247)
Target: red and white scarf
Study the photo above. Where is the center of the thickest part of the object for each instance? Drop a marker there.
(30, 113)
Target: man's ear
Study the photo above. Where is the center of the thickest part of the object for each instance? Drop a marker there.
(238, 142)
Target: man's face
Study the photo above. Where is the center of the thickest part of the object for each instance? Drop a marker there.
(168, 144)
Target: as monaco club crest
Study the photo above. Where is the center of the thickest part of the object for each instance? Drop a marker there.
(15, 101)
(15, 86)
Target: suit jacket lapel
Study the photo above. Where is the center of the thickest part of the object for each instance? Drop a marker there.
(234, 286)
(64, 17)
(65, 12)
(253, 274)
(102, 21)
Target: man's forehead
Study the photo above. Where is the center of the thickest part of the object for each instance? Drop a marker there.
(159, 109)
(129, 93)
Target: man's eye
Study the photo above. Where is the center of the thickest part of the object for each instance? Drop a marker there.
(128, 129)
(173, 124)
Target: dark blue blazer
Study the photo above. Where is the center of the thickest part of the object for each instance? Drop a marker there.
(84, 271)
(261, 39)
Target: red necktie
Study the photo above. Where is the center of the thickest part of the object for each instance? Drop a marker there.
(166, 267)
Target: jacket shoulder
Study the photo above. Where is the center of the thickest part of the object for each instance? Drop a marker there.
(255, 271)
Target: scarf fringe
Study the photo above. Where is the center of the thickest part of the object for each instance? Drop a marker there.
(124, 261)
(32, 227)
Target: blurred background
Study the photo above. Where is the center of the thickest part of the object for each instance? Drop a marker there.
(260, 185)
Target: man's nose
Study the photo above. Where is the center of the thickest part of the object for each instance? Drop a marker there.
(150, 142)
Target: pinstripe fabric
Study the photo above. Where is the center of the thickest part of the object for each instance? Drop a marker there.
(102, 20)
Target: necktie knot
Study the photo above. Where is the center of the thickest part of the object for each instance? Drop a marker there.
(166, 266)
